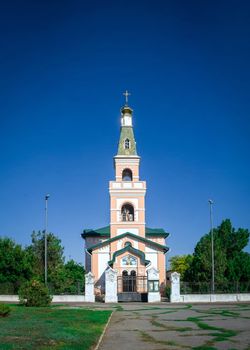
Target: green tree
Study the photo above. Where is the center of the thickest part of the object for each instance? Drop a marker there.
(34, 293)
(14, 266)
(18, 265)
(74, 271)
(36, 251)
(181, 264)
(69, 278)
(230, 262)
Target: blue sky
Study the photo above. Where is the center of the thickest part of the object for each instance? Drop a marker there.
(63, 68)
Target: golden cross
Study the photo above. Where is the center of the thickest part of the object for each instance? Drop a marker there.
(126, 94)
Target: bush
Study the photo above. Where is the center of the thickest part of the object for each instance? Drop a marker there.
(4, 310)
(168, 292)
(34, 293)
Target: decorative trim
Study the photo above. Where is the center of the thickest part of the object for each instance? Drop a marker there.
(137, 237)
(131, 250)
(105, 231)
(127, 223)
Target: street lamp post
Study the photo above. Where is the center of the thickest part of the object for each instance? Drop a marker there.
(45, 241)
(212, 241)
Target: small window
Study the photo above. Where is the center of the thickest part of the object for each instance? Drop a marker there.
(127, 144)
(127, 175)
(129, 260)
(153, 286)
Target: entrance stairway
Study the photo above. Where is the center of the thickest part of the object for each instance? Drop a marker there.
(132, 296)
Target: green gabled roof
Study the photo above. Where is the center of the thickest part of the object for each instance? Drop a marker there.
(139, 238)
(132, 250)
(156, 232)
(105, 232)
(100, 232)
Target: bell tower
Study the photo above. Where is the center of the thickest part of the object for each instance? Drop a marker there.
(126, 244)
(127, 192)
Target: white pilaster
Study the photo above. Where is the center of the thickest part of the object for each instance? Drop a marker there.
(89, 288)
(111, 286)
(153, 285)
(175, 287)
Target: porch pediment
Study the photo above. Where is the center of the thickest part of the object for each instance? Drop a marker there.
(133, 236)
(128, 248)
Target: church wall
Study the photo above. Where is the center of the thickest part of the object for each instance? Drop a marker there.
(141, 245)
(128, 227)
(90, 241)
(162, 269)
(87, 262)
(121, 166)
(139, 268)
(159, 240)
(121, 243)
(94, 264)
(120, 231)
(103, 259)
(152, 255)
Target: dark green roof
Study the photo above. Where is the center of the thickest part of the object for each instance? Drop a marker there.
(139, 238)
(100, 232)
(127, 133)
(156, 232)
(132, 250)
(105, 232)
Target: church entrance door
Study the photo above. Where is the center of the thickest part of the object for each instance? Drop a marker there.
(128, 282)
(131, 287)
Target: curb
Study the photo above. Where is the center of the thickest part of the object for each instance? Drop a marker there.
(103, 332)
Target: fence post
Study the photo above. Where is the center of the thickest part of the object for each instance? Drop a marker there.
(175, 287)
(89, 288)
(111, 286)
(153, 285)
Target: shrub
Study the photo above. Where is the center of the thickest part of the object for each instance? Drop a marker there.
(4, 310)
(168, 292)
(34, 293)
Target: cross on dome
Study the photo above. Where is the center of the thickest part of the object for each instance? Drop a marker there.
(126, 94)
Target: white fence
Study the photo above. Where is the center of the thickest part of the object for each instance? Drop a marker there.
(55, 298)
(176, 297)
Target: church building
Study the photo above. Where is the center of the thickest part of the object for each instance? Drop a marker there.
(127, 245)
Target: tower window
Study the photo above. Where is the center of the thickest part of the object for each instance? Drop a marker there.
(127, 175)
(127, 212)
(127, 144)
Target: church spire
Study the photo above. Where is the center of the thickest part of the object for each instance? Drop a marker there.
(127, 144)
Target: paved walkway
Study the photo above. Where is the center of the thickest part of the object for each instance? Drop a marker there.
(165, 326)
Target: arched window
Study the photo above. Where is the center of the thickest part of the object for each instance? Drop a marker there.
(129, 260)
(127, 144)
(133, 273)
(127, 243)
(125, 281)
(127, 212)
(127, 175)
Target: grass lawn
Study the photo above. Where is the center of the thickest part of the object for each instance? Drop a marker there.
(51, 328)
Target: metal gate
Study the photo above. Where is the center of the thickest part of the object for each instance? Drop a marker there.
(132, 284)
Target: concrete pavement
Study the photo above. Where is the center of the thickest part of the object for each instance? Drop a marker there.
(168, 326)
